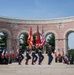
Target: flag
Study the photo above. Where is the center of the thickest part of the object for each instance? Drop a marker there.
(38, 40)
(43, 40)
(30, 38)
(6, 54)
(3, 53)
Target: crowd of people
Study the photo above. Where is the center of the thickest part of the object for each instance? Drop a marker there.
(6, 58)
(66, 59)
(40, 56)
(34, 56)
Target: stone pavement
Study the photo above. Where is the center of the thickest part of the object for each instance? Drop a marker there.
(43, 69)
(54, 69)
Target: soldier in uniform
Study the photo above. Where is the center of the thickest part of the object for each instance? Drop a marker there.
(28, 57)
(20, 57)
(50, 57)
(34, 56)
(71, 59)
(41, 57)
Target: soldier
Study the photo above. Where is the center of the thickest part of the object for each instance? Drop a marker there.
(71, 59)
(50, 57)
(41, 57)
(34, 56)
(20, 57)
(28, 57)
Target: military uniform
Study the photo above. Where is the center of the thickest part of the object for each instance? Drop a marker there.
(50, 57)
(41, 57)
(71, 59)
(34, 56)
(28, 57)
(20, 58)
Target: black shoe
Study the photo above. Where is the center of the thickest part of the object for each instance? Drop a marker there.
(32, 63)
(26, 63)
(39, 64)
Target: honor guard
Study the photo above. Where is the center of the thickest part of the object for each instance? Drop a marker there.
(41, 57)
(34, 56)
(20, 58)
(28, 57)
(50, 57)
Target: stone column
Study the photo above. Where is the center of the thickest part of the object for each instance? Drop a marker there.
(8, 45)
(56, 46)
(44, 49)
(18, 45)
(66, 46)
(60, 46)
(14, 46)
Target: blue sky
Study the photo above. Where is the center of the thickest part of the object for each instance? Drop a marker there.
(37, 9)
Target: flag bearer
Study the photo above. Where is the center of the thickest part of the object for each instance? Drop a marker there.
(41, 57)
(28, 57)
(34, 56)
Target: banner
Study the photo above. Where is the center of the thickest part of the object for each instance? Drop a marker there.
(30, 38)
(38, 40)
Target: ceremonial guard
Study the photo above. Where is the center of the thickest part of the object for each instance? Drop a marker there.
(41, 57)
(20, 58)
(28, 57)
(50, 57)
(34, 56)
(71, 59)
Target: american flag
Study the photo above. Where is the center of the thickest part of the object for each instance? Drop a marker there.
(43, 40)
(3, 52)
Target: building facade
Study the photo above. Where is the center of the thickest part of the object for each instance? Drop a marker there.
(60, 27)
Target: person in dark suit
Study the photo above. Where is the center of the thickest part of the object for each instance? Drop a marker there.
(34, 56)
(28, 57)
(41, 57)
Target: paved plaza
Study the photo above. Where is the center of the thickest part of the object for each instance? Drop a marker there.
(54, 69)
(43, 69)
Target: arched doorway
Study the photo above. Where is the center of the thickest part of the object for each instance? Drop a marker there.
(3, 40)
(67, 40)
(50, 40)
(7, 39)
(71, 40)
(23, 41)
(56, 37)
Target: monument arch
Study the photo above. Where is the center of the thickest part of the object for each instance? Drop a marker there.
(67, 32)
(9, 37)
(60, 27)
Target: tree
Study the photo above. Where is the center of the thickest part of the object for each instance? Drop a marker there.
(3, 40)
(24, 43)
(50, 41)
(71, 51)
